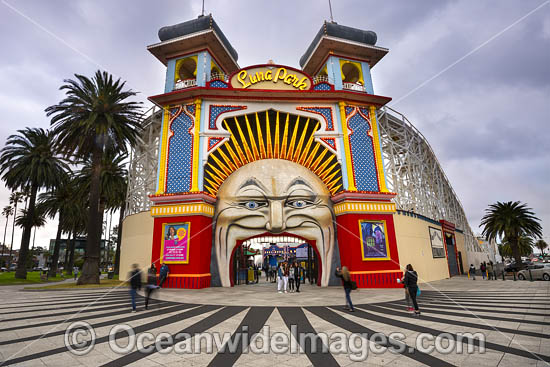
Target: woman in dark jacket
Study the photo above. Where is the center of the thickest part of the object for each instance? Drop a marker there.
(411, 282)
(346, 279)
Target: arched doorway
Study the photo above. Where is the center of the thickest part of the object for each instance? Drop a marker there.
(290, 249)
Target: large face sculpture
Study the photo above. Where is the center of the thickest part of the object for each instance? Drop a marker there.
(274, 196)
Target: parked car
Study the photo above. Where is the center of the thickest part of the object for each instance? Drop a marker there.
(2, 269)
(37, 268)
(12, 268)
(512, 267)
(538, 271)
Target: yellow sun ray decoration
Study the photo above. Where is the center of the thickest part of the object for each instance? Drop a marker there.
(247, 144)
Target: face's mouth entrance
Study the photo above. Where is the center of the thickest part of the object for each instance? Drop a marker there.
(266, 251)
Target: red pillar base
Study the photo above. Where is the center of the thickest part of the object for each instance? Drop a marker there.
(194, 211)
(371, 258)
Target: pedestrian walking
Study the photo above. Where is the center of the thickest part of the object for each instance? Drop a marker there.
(411, 282)
(285, 276)
(151, 284)
(75, 272)
(135, 284)
(297, 276)
(407, 295)
(472, 272)
(280, 278)
(483, 268)
(348, 285)
(291, 278)
(164, 270)
(490, 271)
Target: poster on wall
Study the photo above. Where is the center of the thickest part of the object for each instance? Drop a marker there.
(175, 243)
(374, 241)
(436, 240)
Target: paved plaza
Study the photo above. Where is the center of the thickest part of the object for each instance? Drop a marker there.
(514, 318)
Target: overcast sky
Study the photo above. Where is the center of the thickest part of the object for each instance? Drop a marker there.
(487, 117)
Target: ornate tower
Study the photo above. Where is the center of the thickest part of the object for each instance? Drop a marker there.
(269, 155)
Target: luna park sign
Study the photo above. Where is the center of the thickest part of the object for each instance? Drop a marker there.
(270, 77)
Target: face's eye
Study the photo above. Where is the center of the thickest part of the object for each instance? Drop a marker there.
(252, 204)
(299, 204)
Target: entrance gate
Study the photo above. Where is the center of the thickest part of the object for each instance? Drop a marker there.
(451, 255)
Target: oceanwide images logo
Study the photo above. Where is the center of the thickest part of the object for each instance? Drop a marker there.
(80, 339)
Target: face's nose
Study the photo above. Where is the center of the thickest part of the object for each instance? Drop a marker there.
(276, 222)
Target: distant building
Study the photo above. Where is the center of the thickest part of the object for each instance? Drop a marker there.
(79, 247)
(484, 251)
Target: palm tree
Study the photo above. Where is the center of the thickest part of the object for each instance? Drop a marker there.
(113, 181)
(30, 160)
(15, 198)
(525, 244)
(35, 219)
(7, 212)
(94, 116)
(510, 221)
(59, 200)
(541, 245)
(76, 225)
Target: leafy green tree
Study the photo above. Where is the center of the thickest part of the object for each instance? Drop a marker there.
(6, 212)
(541, 245)
(94, 116)
(511, 220)
(30, 159)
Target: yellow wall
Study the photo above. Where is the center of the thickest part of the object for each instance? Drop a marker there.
(137, 242)
(414, 247)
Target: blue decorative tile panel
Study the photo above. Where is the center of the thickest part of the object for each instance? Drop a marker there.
(180, 151)
(216, 110)
(326, 112)
(362, 150)
(218, 84)
(322, 86)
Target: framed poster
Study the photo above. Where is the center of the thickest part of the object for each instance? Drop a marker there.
(374, 240)
(175, 243)
(436, 239)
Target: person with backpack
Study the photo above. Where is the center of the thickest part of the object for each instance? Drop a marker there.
(164, 270)
(135, 284)
(348, 285)
(410, 280)
(483, 268)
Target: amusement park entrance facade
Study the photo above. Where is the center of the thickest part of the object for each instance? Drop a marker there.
(269, 163)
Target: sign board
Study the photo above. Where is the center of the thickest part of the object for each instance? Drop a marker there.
(301, 252)
(436, 239)
(175, 243)
(270, 77)
(374, 240)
